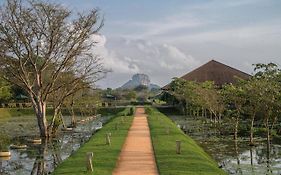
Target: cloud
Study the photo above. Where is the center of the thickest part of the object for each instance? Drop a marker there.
(166, 45)
(218, 4)
(127, 56)
(168, 25)
(161, 26)
(245, 33)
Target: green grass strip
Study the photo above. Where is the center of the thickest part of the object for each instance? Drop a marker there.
(105, 156)
(192, 160)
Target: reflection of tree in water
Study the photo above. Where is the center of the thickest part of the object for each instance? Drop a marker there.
(41, 159)
(56, 152)
(39, 163)
(237, 157)
(252, 160)
(1, 167)
(269, 170)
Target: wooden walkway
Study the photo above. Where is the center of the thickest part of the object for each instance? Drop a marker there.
(137, 156)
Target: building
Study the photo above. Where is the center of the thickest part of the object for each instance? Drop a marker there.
(214, 71)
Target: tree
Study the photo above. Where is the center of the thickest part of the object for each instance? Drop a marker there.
(234, 97)
(5, 90)
(184, 91)
(40, 42)
(130, 95)
(253, 105)
(209, 97)
(268, 76)
(68, 89)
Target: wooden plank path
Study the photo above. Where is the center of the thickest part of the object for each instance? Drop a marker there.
(137, 156)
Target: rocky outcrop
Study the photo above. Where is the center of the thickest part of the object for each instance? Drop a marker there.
(139, 80)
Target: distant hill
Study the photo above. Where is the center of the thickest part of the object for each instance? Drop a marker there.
(139, 80)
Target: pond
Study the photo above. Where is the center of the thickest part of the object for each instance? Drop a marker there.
(43, 158)
(233, 157)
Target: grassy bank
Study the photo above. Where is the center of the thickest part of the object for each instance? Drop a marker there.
(6, 113)
(192, 160)
(105, 156)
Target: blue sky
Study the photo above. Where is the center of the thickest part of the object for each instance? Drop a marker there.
(168, 38)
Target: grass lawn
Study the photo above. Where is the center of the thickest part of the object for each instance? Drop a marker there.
(192, 160)
(105, 156)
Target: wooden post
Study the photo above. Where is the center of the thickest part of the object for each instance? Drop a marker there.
(168, 130)
(89, 164)
(178, 146)
(108, 142)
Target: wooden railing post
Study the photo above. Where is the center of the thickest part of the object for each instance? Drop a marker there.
(108, 142)
(168, 130)
(178, 146)
(89, 163)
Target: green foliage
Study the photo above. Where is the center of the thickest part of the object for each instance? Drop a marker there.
(209, 97)
(132, 111)
(193, 160)
(4, 141)
(110, 111)
(235, 95)
(5, 91)
(183, 90)
(262, 132)
(141, 88)
(131, 95)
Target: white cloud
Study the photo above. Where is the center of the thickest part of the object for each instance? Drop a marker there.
(218, 4)
(160, 61)
(194, 31)
(253, 38)
(162, 26)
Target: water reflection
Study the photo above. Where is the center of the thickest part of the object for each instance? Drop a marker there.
(42, 158)
(39, 163)
(235, 157)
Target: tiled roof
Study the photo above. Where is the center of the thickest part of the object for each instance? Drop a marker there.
(214, 71)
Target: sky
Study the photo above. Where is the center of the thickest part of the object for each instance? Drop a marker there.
(169, 38)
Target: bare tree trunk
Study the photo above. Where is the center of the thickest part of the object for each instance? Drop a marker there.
(219, 118)
(184, 107)
(268, 145)
(236, 128)
(73, 119)
(252, 130)
(268, 149)
(53, 127)
(211, 116)
(215, 117)
(205, 112)
(268, 132)
(40, 111)
(237, 157)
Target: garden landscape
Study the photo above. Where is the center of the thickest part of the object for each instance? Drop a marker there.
(122, 88)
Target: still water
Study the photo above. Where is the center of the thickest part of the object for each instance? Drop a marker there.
(235, 158)
(43, 158)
